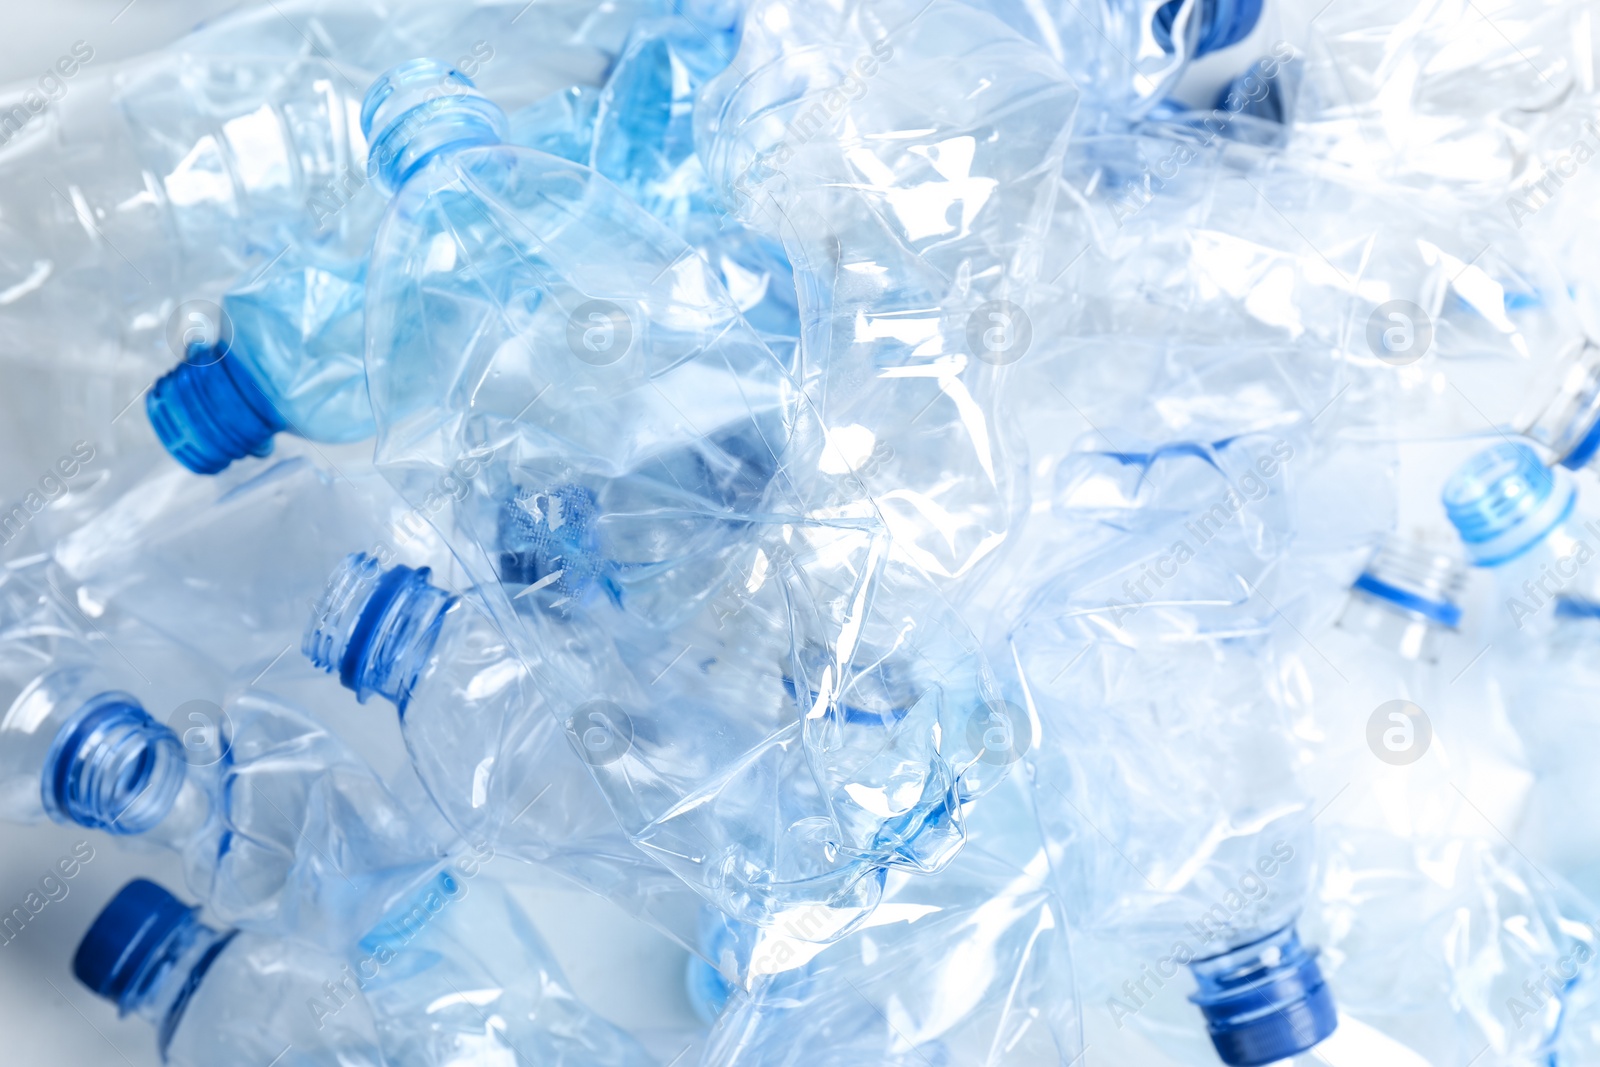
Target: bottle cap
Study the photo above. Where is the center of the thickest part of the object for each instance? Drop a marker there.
(1264, 1001)
(209, 410)
(1504, 500)
(130, 933)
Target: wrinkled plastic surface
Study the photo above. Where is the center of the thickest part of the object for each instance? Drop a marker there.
(913, 253)
(718, 563)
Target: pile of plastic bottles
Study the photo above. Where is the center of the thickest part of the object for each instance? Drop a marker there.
(1009, 529)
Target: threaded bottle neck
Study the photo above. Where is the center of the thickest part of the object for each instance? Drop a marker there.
(209, 410)
(1413, 579)
(419, 111)
(1264, 1001)
(113, 768)
(377, 628)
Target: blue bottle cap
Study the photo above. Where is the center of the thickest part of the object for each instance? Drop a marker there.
(1504, 500)
(1222, 23)
(419, 110)
(1264, 1001)
(131, 932)
(112, 767)
(209, 410)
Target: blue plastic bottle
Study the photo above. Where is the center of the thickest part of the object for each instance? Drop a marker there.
(393, 1000)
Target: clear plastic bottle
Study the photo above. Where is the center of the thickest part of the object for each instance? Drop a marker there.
(393, 1000)
(279, 825)
(830, 771)
(1434, 761)
(218, 995)
(229, 565)
(167, 178)
(643, 140)
(1549, 689)
(566, 349)
(491, 755)
(1164, 774)
(970, 967)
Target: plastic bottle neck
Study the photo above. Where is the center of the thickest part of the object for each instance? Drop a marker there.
(147, 953)
(209, 410)
(377, 628)
(1406, 598)
(1264, 1001)
(113, 768)
(420, 111)
(1504, 501)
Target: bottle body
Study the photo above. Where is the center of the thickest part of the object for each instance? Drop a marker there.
(1164, 773)
(227, 566)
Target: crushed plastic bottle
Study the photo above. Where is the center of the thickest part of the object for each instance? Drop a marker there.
(739, 534)
(393, 1000)
(970, 967)
(491, 755)
(279, 825)
(1164, 775)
